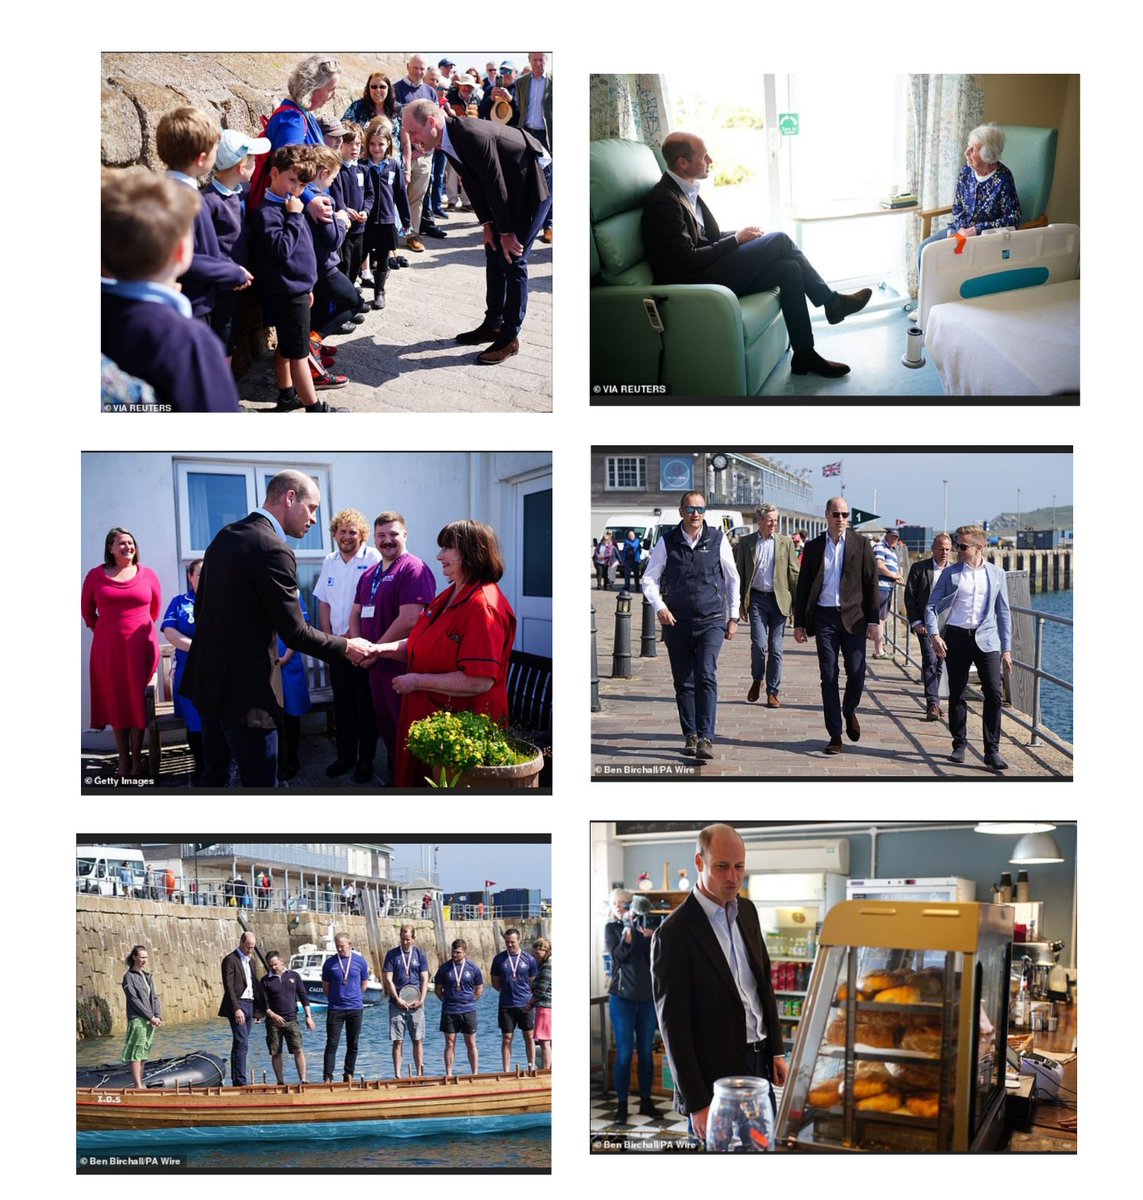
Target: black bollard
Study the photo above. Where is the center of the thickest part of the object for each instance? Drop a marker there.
(595, 704)
(621, 649)
(649, 643)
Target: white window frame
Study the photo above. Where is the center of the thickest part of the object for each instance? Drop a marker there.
(255, 494)
(610, 470)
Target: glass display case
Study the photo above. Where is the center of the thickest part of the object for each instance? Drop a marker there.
(903, 1036)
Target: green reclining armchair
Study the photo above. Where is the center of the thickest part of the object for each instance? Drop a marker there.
(713, 344)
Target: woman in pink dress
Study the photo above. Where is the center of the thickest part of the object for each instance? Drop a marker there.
(121, 602)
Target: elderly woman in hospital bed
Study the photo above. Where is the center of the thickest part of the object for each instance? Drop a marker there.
(985, 190)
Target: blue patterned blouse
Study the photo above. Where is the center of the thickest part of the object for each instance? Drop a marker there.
(992, 204)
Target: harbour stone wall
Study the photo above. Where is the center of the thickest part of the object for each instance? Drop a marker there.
(187, 944)
(136, 89)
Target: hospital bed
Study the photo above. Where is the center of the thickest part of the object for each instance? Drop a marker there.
(1002, 317)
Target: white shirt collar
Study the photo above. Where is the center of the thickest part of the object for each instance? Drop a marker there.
(689, 188)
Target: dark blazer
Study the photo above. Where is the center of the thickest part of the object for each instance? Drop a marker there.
(500, 167)
(234, 984)
(701, 1017)
(859, 600)
(247, 598)
(918, 584)
(676, 250)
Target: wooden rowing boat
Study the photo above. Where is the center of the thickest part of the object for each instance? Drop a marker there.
(374, 1100)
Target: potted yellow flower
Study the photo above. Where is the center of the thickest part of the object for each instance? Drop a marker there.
(469, 750)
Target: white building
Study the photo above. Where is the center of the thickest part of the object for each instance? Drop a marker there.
(175, 503)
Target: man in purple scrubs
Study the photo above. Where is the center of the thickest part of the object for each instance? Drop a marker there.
(512, 973)
(390, 597)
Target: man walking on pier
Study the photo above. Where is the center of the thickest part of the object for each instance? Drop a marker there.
(767, 579)
(918, 587)
(243, 1003)
(836, 602)
(406, 968)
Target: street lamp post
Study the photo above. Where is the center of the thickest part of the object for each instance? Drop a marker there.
(945, 526)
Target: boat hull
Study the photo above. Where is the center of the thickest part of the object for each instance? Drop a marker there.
(390, 1107)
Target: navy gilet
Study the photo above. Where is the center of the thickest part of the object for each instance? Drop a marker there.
(692, 579)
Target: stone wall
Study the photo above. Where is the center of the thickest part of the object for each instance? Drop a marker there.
(239, 88)
(187, 945)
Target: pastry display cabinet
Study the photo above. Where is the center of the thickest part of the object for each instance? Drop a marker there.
(903, 1035)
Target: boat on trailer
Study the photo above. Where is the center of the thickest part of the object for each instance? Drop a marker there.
(412, 1107)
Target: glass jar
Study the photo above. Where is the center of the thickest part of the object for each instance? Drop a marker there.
(741, 1117)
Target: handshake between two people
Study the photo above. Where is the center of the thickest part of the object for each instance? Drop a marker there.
(361, 652)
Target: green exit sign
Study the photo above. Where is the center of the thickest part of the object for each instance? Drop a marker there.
(788, 124)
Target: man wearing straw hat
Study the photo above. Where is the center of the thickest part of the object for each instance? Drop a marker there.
(406, 975)
(503, 171)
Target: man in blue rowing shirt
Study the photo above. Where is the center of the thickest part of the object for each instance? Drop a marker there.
(284, 992)
(458, 985)
(406, 967)
(512, 973)
(343, 979)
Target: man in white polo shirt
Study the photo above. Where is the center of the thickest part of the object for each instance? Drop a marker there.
(335, 592)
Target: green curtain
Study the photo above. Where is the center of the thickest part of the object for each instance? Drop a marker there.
(629, 106)
(942, 111)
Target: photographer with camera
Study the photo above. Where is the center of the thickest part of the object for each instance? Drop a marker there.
(631, 1006)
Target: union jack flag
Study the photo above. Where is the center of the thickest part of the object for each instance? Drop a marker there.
(832, 468)
(900, 522)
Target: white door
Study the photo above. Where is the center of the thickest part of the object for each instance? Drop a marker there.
(533, 565)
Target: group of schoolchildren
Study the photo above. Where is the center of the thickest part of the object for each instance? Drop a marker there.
(178, 337)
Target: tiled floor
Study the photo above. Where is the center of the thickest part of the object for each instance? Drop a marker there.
(603, 1115)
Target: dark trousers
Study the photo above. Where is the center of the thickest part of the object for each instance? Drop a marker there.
(239, 1043)
(506, 283)
(836, 642)
(254, 751)
(434, 197)
(353, 713)
(630, 576)
(335, 301)
(335, 1018)
(352, 252)
(767, 629)
(773, 261)
(930, 669)
(601, 580)
(963, 653)
(633, 1025)
(693, 650)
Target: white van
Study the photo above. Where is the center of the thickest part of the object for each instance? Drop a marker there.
(98, 869)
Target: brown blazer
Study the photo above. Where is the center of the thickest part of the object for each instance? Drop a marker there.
(859, 600)
(234, 984)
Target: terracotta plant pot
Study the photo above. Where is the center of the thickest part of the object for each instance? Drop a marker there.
(521, 775)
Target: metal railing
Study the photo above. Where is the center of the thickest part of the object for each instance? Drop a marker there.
(1040, 733)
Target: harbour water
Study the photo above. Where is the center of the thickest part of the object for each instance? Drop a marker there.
(1056, 702)
(529, 1148)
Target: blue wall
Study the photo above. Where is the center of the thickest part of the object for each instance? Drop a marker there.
(975, 856)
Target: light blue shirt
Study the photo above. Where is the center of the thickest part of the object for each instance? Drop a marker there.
(535, 116)
(724, 922)
(833, 561)
(273, 521)
(145, 289)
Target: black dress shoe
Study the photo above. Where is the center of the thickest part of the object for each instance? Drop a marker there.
(621, 1113)
(845, 306)
(992, 759)
(363, 773)
(811, 363)
(957, 755)
(833, 746)
(755, 692)
(339, 767)
(852, 728)
(647, 1108)
(432, 231)
(478, 336)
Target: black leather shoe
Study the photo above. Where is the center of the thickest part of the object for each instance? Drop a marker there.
(647, 1108)
(478, 336)
(845, 306)
(992, 759)
(621, 1113)
(852, 728)
(339, 767)
(432, 231)
(363, 773)
(957, 755)
(691, 745)
(833, 746)
(812, 363)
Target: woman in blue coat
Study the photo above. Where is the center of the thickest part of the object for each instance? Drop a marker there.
(177, 627)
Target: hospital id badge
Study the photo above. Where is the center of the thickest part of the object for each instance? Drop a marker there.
(368, 610)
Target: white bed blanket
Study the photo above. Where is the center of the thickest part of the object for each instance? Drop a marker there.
(1021, 343)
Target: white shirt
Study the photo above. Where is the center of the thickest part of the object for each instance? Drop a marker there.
(248, 991)
(832, 563)
(968, 603)
(654, 571)
(337, 584)
(737, 959)
(690, 189)
(763, 580)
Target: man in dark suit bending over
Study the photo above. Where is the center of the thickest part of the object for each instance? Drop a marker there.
(836, 602)
(685, 245)
(248, 596)
(710, 976)
(503, 173)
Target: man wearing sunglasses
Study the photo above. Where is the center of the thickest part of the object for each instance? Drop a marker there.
(836, 602)
(693, 565)
(974, 593)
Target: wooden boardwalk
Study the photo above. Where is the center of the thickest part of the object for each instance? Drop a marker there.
(637, 736)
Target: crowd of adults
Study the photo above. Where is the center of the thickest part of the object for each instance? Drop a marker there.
(397, 649)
